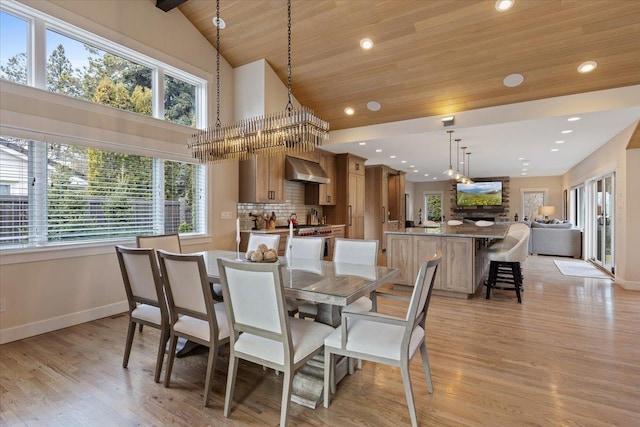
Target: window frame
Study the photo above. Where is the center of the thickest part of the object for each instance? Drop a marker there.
(39, 23)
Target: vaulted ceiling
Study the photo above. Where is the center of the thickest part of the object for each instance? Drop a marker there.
(430, 57)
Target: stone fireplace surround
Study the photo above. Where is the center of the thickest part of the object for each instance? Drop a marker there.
(486, 213)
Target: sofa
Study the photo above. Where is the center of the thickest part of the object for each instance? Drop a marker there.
(559, 239)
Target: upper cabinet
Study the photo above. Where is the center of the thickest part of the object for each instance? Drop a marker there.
(323, 194)
(262, 180)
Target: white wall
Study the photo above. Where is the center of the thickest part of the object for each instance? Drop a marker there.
(614, 157)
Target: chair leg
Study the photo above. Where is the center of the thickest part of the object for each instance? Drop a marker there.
(517, 281)
(140, 327)
(287, 382)
(170, 358)
(162, 346)
(328, 359)
(406, 381)
(127, 346)
(231, 383)
(427, 368)
(211, 370)
(491, 280)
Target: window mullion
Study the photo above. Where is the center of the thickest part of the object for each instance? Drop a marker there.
(38, 54)
(37, 173)
(158, 196)
(157, 91)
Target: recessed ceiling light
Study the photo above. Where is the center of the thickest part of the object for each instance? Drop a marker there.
(412, 166)
(426, 174)
(525, 164)
(560, 142)
(435, 178)
(524, 169)
(392, 157)
(219, 22)
(523, 173)
(404, 161)
(373, 106)
(378, 150)
(567, 131)
(587, 66)
(573, 119)
(362, 143)
(349, 111)
(366, 44)
(513, 80)
(555, 149)
(415, 170)
(504, 5)
(520, 158)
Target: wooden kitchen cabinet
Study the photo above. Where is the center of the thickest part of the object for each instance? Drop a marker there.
(350, 195)
(262, 180)
(384, 202)
(400, 256)
(458, 259)
(425, 247)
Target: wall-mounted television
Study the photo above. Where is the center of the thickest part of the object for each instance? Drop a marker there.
(487, 193)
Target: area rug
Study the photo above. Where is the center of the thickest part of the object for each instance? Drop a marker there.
(579, 268)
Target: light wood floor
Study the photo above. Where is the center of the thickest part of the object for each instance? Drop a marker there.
(568, 356)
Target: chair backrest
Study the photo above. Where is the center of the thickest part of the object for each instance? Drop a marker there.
(187, 287)
(254, 298)
(167, 242)
(272, 240)
(419, 305)
(356, 251)
(519, 252)
(141, 278)
(305, 247)
(518, 226)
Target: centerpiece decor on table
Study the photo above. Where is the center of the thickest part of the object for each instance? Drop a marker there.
(262, 254)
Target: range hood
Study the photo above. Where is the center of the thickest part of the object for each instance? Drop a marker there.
(304, 170)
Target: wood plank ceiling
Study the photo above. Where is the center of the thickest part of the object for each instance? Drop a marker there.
(430, 57)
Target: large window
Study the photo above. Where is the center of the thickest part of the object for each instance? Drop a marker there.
(57, 193)
(73, 62)
(13, 48)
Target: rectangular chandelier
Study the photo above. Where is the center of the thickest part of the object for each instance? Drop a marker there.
(292, 130)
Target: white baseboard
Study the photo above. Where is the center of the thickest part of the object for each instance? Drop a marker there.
(628, 285)
(55, 323)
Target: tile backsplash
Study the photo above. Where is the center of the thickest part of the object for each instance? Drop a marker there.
(294, 203)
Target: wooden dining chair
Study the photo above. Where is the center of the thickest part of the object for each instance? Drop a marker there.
(145, 296)
(167, 242)
(193, 315)
(351, 251)
(262, 332)
(272, 240)
(306, 248)
(386, 339)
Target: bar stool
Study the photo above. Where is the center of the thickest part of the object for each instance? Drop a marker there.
(505, 258)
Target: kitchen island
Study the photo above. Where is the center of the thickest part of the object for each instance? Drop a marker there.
(463, 265)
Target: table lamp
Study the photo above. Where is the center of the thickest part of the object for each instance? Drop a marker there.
(546, 211)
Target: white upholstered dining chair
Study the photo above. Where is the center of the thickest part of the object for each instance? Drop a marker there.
(145, 296)
(261, 330)
(272, 240)
(193, 313)
(167, 242)
(351, 251)
(386, 339)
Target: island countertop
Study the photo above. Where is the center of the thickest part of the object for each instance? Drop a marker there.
(495, 231)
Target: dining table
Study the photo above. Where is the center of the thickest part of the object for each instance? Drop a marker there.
(331, 285)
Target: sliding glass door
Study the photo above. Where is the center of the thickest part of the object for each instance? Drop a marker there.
(601, 224)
